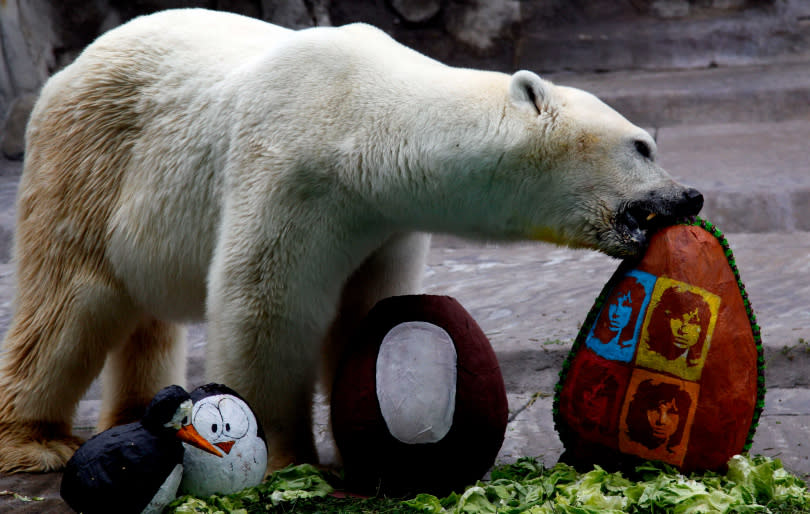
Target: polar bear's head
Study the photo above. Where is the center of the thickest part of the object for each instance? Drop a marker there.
(592, 174)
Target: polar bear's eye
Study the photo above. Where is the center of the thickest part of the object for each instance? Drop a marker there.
(643, 148)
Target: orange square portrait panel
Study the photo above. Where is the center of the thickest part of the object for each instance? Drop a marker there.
(657, 417)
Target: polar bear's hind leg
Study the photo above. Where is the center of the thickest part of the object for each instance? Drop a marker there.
(154, 356)
(70, 309)
(54, 348)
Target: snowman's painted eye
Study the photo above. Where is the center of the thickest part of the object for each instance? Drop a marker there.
(235, 417)
(207, 421)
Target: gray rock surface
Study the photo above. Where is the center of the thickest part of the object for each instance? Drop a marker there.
(661, 39)
(12, 138)
(416, 11)
(26, 40)
(755, 176)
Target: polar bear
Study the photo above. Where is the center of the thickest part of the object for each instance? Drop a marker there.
(201, 165)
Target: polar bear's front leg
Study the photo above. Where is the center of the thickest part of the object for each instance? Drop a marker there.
(264, 337)
(262, 361)
(271, 361)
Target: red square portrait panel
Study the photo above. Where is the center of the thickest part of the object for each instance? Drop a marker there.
(592, 397)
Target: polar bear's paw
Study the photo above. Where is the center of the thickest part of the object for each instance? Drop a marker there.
(35, 447)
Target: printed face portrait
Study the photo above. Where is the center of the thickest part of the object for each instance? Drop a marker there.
(619, 314)
(615, 333)
(664, 419)
(688, 328)
(677, 331)
(657, 417)
(592, 397)
(597, 399)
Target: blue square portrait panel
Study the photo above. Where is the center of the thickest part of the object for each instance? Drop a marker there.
(615, 333)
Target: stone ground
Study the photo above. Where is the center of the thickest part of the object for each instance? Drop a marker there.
(531, 299)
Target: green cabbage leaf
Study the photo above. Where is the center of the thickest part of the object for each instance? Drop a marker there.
(751, 484)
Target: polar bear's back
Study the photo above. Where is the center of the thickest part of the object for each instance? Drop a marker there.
(132, 141)
(213, 40)
(180, 53)
(165, 50)
(215, 43)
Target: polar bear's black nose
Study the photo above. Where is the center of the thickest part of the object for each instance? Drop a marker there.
(685, 203)
(691, 203)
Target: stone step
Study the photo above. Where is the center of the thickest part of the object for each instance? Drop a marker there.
(755, 177)
(638, 41)
(737, 94)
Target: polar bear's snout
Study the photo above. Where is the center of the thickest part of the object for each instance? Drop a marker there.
(639, 218)
(657, 205)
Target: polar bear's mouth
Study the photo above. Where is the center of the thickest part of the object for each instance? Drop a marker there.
(638, 220)
(634, 226)
(643, 219)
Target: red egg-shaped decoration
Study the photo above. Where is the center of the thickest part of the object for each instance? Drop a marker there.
(668, 365)
(419, 403)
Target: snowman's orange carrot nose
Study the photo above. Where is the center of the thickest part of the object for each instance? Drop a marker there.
(189, 435)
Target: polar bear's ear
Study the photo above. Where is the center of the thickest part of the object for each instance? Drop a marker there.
(527, 87)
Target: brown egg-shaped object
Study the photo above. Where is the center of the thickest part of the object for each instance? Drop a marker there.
(668, 365)
(418, 403)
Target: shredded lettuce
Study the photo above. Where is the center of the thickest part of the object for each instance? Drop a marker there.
(751, 484)
(285, 486)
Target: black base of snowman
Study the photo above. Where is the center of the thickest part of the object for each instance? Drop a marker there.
(419, 404)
